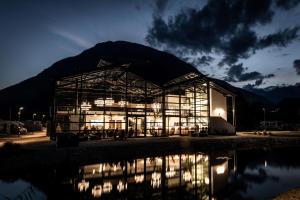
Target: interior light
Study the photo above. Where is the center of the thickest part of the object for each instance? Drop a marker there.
(220, 169)
(219, 111)
(97, 191)
(85, 106)
(83, 186)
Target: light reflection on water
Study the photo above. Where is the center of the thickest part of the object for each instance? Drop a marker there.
(254, 174)
(172, 176)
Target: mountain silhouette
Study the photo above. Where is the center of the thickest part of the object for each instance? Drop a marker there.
(278, 93)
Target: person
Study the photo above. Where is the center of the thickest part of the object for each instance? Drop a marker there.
(93, 129)
(99, 133)
(122, 135)
(58, 128)
(85, 130)
(197, 129)
(116, 133)
(130, 132)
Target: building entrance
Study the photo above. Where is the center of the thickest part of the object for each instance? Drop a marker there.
(136, 126)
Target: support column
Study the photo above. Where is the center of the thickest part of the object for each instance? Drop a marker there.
(164, 113)
(195, 112)
(179, 114)
(77, 103)
(104, 103)
(208, 105)
(233, 111)
(53, 113)
(80, 103)
(145, 110)
(126, 105)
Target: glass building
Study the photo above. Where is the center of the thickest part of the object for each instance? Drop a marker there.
(139, 101)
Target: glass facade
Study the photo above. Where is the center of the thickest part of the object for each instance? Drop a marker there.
(115, 101)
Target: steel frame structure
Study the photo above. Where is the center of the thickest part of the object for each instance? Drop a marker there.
(112, 97)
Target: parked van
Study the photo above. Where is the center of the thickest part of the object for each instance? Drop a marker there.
(12, 127)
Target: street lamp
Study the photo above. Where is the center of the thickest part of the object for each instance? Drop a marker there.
(33, 115)
(19, 113)
(264, 109)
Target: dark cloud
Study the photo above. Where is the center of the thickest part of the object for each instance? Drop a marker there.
(160, 6)
(249, 86)
(287, 4)
(223, 27)
(281, 38)
(200, 61)
(297, 66)
(284, 54)
(237, 73)
(257, 83)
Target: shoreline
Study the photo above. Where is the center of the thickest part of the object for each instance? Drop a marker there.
(45, 154)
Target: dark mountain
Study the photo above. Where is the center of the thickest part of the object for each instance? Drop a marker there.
(278, 93)
(34, 94)
(144, 61)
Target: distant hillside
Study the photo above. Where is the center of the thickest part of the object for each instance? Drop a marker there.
(277, 94)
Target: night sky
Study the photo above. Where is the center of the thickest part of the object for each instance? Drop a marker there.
(249, 43)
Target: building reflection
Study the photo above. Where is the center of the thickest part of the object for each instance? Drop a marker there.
(197, 176)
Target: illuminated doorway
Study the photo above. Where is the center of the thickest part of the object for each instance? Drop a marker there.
(136, 126)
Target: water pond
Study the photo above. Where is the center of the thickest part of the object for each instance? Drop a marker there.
(243, 174)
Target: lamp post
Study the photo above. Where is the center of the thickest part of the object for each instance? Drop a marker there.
(19, 113)
(33, 115)
(264, 109)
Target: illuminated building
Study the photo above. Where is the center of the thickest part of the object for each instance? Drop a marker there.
(141, 100)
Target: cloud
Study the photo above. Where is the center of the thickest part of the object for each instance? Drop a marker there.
(284, 54)
(287, 4)
(222, 27)
(237, 73)
(200, 61)
(281, 38)
(71, 37)
(160, 6)
(297, 66)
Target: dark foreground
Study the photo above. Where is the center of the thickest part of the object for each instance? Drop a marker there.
(154, 168)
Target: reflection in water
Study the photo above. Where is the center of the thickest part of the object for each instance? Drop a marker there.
(244, 174)
(197, 176)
